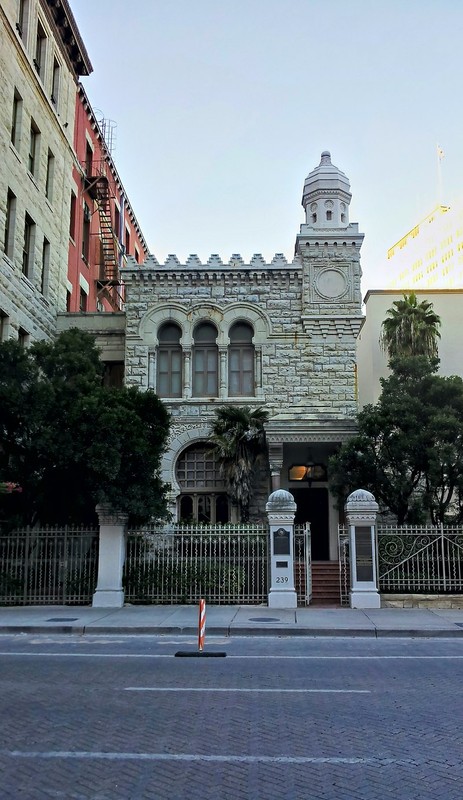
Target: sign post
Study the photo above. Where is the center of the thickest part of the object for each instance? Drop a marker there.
(281, 509)
(361, 508)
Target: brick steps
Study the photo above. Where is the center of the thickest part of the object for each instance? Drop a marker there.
(325, 583)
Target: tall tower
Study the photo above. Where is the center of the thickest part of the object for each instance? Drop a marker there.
(329, 248)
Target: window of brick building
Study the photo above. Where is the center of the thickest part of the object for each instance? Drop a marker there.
(83, 300)
(86, 233)
(88, 159)
(72, 216)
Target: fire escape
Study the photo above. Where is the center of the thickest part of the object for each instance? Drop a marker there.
(109, 279)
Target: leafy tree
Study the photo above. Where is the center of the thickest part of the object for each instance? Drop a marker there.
(238, 439)
(70, 442)
(409, 446)
(411, 328)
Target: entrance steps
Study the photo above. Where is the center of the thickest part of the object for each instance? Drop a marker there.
(325, 584)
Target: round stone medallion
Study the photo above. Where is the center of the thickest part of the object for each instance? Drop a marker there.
(331, 283)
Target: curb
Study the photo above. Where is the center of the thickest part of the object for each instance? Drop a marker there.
(229, 631)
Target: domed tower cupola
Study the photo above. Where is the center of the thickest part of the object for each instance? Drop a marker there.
(326, 196)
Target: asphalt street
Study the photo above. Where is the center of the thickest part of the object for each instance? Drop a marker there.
(123, 718)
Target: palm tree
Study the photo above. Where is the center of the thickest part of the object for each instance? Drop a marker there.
(410, 329)
(238, 440)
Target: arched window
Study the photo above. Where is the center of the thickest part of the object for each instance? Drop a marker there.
(203, 497)
(205, 361)
(169, 361)
(241, 361)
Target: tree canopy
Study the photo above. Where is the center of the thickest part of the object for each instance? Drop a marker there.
(70, 442)
(409, 446)
(238, 439)
(411, 328)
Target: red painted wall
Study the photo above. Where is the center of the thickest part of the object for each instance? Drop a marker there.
(93, 158)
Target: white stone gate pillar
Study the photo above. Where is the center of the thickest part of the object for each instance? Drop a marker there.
(361, 508)
(281, 510)
(113, 529)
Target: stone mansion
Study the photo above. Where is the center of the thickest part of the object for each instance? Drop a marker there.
(279, 335)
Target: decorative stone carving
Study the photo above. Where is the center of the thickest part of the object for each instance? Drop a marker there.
(331, 284)
(279, 501)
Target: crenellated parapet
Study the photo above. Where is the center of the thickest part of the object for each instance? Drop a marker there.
(214, 262)
(278, 273)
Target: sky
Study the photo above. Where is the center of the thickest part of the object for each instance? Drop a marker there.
(223, 107)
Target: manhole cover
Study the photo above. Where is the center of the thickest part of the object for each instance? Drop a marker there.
(62, 619)
(264, 619)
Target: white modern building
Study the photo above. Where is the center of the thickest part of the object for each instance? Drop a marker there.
(430, 255)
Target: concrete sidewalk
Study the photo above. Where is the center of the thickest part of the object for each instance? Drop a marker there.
(234, 621)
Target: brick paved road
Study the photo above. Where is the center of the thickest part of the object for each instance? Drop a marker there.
(292, 719)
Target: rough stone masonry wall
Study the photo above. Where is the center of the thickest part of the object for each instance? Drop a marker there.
(312, 375)
(25, 302)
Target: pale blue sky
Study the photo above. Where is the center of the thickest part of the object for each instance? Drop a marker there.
(224, 106)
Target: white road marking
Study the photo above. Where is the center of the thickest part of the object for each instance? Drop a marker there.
(246, 759)
(247, 657)
(240, 690)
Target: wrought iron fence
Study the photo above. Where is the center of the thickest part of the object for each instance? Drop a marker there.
(302, 564)
(224, 564)
(344, 565)
(48, 566)
(420, 559)
(220, 563)
(412, 559)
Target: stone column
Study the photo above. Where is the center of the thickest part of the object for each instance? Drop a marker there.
(186, 372)
(281, 509)
(275, 454)
(361, 509)
(113, 530)
(258, 371)
(152, 369)
(223, 377)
